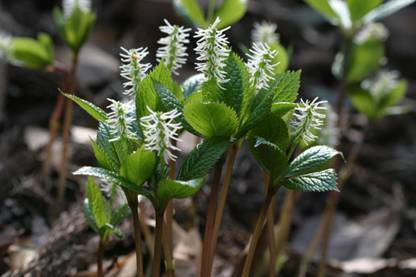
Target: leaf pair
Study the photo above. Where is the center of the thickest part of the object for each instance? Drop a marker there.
(229, 12)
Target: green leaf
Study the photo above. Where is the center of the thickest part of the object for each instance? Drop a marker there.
(359, 8)
(191, 11)
(282, 108)
(268, 142)
(281, 59)
(392, 97)
(97, 204)
(261, 106)
(88, 215)
(32, 53)
(323, 7)
(171, 189)
(325, 180)
(111, 177)
(212, 120)
(139, 166)
(287, 86)
(202, 159)
(94, 111)
(192, 84)
(387, 9)
(232, 92)
(363, 101)
(103, 160)
(312, 160)
(370, 53)
(120, 214)
(230, 12)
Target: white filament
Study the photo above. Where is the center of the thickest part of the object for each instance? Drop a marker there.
(132, 68)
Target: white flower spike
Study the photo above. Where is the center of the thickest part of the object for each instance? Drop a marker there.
(260, 64)
(5, 42)
(309, 117)
(132, 69)
(70, 5)
(173, 49)
(212, 50)
(121, 120)
(159, 130)
(382, 83)
(265, 32)
(372, 30)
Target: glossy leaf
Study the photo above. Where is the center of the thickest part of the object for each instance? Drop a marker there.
(192, 84)
(325, 180)
(212, 120)
(359, 8)
(97, 204)
(287, 86)
(139, 166)
(312, 160)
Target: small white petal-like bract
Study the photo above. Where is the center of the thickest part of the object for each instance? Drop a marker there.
(373, 30)
(265, 32)
(70, 5)
(261, 64)
(132, 68)
(212, 50)
(308, 118)
(173, 49)
(5, 42)
(160, 130)
(121, 120)
(382, 83)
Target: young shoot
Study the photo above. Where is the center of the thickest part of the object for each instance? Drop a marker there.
(133, 70)
(173, 49)
(212, 50)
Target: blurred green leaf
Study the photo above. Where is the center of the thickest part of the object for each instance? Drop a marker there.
(370, 54)
(359, 8)
(323, 7)
(387, 9)
(191, 11)
(392, 97)
(342, 12)
(230, 12)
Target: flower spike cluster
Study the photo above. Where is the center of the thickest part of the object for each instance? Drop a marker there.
(5, 41)
(70, 5)
(265, 32)
(159, 130)
(308, 118)
(120, 120)
(382, 83)
(260, 64)
(132, 69)
(372, 30)
(173, 49)
(212, 50)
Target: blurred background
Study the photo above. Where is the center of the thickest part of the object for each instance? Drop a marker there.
(375, 227)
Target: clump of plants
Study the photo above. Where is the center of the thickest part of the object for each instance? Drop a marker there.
(228, 102)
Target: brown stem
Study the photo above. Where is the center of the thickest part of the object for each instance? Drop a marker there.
(66, 131)
(286, 217)
(157, 252)
(147, 234)
(270, 230)
(53, 131)
(209, 223)
(232, 154)
(133, 204)
(167, 234)
(256, 234)
(100, 251)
